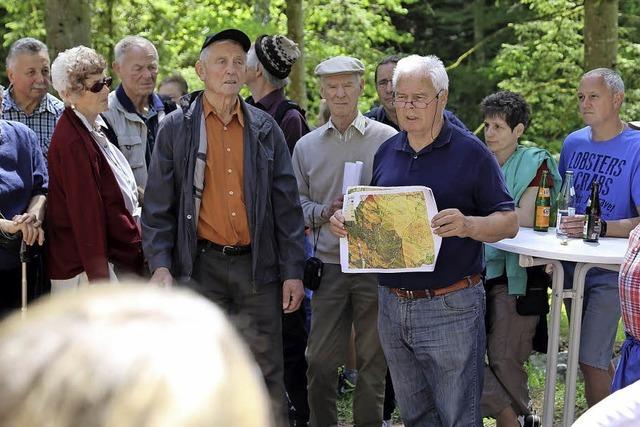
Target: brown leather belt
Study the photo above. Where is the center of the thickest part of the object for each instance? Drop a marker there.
(467, 282)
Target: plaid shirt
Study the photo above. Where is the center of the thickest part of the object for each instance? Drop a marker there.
(42, 121)
(629, 283)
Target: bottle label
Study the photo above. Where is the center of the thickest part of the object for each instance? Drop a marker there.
(595, 231)
(591, 231)
(544, 192)
(542, 217)
(559, 216)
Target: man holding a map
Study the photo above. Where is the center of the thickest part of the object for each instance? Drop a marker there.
(431, 320)
(342, 299)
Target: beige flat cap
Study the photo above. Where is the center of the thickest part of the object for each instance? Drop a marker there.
(339, 65)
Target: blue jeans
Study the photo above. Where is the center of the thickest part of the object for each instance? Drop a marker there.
(435, 351)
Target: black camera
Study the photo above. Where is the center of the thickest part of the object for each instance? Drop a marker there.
(532, 420)
(313, 273)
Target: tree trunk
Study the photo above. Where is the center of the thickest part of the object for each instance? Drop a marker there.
(261, 11)
(110, 53)
(68, 24)
(600, 34)
(478, 29)
(295, 31)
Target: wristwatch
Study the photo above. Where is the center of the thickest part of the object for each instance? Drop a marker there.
(603, 228)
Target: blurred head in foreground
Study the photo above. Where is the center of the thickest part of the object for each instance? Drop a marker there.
(127, 356)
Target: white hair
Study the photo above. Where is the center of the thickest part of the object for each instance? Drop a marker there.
(422, 66)
(72, 67)
(611, 78)
(124, 45)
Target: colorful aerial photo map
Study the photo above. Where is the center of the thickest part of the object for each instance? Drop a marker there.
(389, 230)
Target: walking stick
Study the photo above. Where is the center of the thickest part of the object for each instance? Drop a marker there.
(23, 260)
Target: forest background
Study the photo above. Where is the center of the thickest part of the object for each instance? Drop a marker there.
(538, 48)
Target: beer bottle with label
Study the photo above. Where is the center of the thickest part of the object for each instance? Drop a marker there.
(565, 202)
(543, 205)
(592, 224)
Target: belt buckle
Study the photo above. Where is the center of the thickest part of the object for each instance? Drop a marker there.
(409, 294)
(228, 250)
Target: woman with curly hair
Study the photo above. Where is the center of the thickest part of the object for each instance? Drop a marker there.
(93, 204)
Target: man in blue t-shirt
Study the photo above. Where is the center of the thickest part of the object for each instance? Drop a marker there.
(431, 325)
(606, 151)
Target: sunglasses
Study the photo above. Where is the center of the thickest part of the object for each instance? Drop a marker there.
(97, 86)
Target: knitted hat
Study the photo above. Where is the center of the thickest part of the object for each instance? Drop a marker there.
(277, 54)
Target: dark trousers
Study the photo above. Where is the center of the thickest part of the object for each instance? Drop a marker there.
(10, 293)
(256, 311)
(389, 398)
(11, 284)
(294, 339)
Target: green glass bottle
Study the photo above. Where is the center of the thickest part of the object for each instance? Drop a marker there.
(543, 205)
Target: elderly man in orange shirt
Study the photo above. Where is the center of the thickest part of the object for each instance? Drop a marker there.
(222, 212)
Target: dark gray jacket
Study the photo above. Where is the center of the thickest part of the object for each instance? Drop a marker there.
(169, 235)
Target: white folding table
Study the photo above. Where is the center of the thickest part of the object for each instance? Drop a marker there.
(539, 248)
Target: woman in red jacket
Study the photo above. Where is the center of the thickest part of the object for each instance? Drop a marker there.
(93, 207)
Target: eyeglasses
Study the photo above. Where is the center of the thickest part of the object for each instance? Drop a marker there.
(420, 105)
(97, 86)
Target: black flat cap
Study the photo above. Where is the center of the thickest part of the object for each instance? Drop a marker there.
(229, 34)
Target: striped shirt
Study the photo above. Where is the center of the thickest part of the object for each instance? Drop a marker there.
(629, 283)
(42, 121)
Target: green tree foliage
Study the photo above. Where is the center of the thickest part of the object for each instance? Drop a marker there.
(545, 63)
(534, 47)
(358, 28)
(178, 27)
(466, 35)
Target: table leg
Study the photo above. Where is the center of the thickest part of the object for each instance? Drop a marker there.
(553, 343)
(557, 284)
(575, 327)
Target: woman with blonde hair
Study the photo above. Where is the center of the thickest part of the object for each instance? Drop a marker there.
(93, 202)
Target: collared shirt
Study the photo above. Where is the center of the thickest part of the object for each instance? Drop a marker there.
(118, 163)
(223, 214)
(357, 125)
(629, 282)
(42, 121)
(293, 123)
(318, 164)
(379, 114)
(463, 174)
(151, 119)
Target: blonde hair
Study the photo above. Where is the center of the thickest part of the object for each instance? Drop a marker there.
(127, 357)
